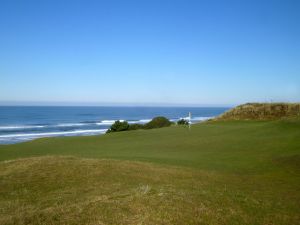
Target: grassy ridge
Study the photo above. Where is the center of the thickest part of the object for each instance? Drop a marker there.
(231, 172)
(262, 111)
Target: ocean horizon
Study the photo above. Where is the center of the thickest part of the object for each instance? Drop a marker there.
(25, 123)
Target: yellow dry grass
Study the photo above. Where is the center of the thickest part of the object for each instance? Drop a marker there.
(262, 111)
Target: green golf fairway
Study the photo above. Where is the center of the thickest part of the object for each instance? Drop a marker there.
(240, 172)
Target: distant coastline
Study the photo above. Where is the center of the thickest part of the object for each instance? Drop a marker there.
(24, 123)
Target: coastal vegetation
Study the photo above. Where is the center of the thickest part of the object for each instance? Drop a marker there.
(118, 126)
(218, 172)
(157, 122)
(182, 122)
(262, 111)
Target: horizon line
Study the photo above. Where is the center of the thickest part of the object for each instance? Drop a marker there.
(95, 104)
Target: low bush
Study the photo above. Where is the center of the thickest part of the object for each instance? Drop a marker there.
(182, 122)
(158, 122)
(118, 126)
(135, 126)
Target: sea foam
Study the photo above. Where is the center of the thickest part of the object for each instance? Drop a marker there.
(48, 134)
(21, 127)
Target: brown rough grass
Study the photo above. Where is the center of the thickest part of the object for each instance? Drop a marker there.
(262, 111)
(70, 190)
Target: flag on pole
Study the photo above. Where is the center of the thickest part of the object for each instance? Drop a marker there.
(190, 120)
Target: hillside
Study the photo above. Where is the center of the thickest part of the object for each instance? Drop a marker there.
(217, 173)
(262, 111)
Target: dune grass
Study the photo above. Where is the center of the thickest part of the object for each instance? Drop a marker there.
(262, 111)
(230, 172)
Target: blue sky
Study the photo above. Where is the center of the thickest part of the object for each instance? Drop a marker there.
(166, 52)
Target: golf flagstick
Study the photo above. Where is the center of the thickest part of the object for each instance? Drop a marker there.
(190, 117)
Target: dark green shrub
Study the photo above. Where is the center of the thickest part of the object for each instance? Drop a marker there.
(182, 122)
(158, 122)
(135, 126)
(118, 126)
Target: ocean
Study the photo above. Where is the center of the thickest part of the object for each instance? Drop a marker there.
(24, 123)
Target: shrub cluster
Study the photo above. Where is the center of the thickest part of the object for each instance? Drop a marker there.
(118, 126)
(135, 126)
(182, 122)
(156, 122)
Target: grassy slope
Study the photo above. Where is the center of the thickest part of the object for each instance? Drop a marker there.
(262, 111)
(217, 173)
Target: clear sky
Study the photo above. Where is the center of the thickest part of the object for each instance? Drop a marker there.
(149, 52)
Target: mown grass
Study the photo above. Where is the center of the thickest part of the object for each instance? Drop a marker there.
(241, 172)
